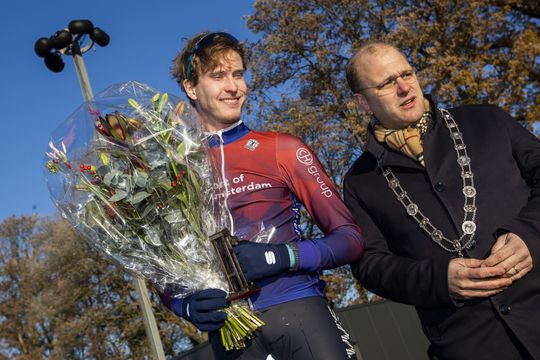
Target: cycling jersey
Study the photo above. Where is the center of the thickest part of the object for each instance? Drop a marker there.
(268, 176)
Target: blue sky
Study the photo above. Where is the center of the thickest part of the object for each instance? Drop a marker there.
(145, 36)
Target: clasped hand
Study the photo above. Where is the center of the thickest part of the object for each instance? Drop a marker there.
(261, 260)
(509, 261)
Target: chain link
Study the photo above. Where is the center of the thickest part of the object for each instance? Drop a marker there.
(468, 225)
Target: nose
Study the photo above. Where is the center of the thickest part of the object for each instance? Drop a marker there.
(402, 86)
(230, 84)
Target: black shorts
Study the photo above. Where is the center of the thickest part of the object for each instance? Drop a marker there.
(304, 329)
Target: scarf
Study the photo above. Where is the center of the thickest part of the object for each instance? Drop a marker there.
(408, 141)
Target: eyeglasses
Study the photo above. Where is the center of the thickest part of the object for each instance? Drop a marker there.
(203, 42)
(390, 84)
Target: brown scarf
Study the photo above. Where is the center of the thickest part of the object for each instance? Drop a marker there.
(408, 141)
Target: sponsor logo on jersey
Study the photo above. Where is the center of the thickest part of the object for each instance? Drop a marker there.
(238, 185)
(270, 257)
(251, 144)
(305, 157)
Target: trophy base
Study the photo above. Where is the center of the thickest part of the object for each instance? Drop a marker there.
(240, 288)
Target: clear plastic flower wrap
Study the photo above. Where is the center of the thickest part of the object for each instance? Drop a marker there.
(131, 172)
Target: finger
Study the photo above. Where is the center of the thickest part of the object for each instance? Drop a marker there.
(470, 287)
(514, 246)
(212, 317)
(466, 262)
(481, 273)
(245, 264)
(499, 256)
(511, 264)
(211, 304)
(521, 273)
(209, 327)
(495, 256)
(211, 294)
(501, 241)
(238, 251)
(486, 285)
(521, 269)
(211, 324)
(520, 259)
(250, 276)
(470, 294)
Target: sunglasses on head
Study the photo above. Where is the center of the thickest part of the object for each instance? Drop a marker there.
(205, 41)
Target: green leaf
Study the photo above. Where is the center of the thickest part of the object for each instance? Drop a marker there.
(154, 164)
(103, 170)
(108, 178)
(183, 198)
(162, 102)
(175, 216)
(120, 194)
(194, 180)
(138, 197)
(181, 150)
(148, 209)
(165, 184)
(140, 178)
(153, 236)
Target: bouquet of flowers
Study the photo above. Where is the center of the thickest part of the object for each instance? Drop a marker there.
(130, 171)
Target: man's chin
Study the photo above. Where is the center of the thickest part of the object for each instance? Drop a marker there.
(229, 121)
(413, 116)
(231, 118)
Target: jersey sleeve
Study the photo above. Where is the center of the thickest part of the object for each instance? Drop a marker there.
(343, 242)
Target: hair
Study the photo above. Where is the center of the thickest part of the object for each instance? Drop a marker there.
(204, 59)
(353, 71)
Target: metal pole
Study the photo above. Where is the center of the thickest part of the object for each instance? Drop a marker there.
(149, 320)
(148, 316)
(82, 75)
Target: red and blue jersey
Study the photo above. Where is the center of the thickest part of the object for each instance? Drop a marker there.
(268, 177)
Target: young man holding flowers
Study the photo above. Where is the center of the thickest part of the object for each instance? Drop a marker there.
(267, 177)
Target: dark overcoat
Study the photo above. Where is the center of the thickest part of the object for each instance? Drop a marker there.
(403, 264)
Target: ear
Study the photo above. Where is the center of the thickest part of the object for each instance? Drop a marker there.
(362, 102)
(190, 89)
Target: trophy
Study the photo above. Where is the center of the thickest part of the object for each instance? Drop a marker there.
(223, 243)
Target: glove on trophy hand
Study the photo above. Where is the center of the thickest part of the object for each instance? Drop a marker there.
(261, 260)
(202, 308)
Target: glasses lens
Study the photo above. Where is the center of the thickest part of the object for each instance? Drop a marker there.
(391, 85)
(408, 76)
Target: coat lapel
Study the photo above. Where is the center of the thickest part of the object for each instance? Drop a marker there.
(439, 153)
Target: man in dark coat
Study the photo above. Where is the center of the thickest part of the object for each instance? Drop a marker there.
(449, 202)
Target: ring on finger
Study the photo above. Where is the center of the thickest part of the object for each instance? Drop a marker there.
(513, 271)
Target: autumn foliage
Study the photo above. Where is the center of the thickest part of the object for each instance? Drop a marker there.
(60, 299)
